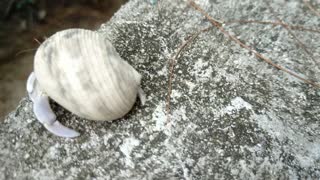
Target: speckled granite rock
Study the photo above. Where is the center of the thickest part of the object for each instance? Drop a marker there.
(233, 116)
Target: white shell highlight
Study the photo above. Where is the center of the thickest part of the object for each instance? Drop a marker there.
(81, 71)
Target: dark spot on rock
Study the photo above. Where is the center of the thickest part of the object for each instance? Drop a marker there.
(259, 50)
(263, 9)
(214, 1)
(275, 37)
(250, 7)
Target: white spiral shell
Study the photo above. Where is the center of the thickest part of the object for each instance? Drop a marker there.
(81, 71)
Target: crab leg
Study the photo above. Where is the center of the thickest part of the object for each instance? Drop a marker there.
(142, 96)
(30, 82)
(43, 111)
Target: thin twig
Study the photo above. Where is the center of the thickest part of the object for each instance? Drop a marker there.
(173, 62)
(311, 8)
(292, 27)
(24, 51)
(267, 60)
(28, 50)
(301, 44)
(36, 40)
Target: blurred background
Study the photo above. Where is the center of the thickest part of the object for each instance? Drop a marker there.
(24, 23)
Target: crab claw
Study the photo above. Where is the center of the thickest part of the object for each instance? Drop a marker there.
(60, 130)
(46, 116)
(43, 111)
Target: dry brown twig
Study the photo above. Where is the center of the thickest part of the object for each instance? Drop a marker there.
(36, 40)
(25, 51)
(172, 63)
(292, 27)
(233, 38)
(306, 2)
(28, 50)
(301, 44)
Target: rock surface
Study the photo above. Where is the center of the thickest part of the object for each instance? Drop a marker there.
(232, 116)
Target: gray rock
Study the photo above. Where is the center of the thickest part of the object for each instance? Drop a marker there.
(233, 115)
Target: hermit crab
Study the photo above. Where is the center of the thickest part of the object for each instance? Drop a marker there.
(81, 70)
